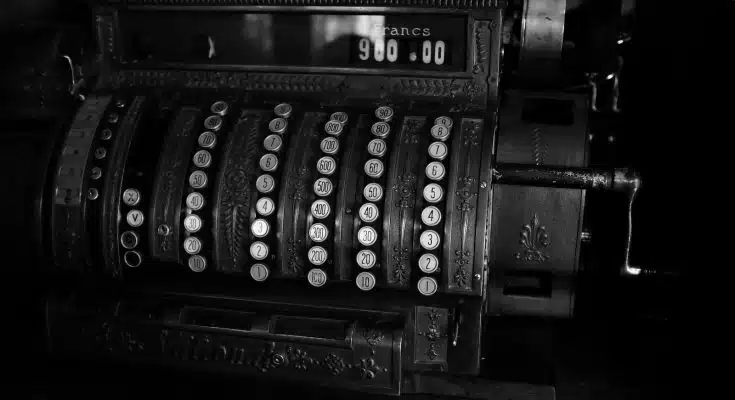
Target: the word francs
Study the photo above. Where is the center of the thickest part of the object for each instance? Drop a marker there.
(399, 30)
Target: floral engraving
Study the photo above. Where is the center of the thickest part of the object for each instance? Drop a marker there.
(268, 358)
(481, 47)
(299, 359)
(432, 334)
(399, 274)
(295, 263)
(469, 134)
(406, 190)
(465, 194)
(297, 183)
(368, 368)
(461, 260)
(334, 364)
(534, 240)
(374, 337)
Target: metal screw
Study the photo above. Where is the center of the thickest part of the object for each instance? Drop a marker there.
(483, 184)
(348, 211)
(100, 153)
(112, 118)
(106, 134)
(586, 236)
(120, 103)
(163, 230)
(93, 194)
(478, 277)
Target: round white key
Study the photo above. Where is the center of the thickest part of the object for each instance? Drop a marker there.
(323, 187)
(268, 163)
(433, 193)
(428, 263)
(131, 197)
(198, 179)
(377, 147)
(366, 259)
(430, 240)
(340, 117)
(326, 165)
(427, 286)
(374, 168)
(135, 218)
(440, 132)
(369, 212)
(317, 255)
(260, 228)
(380, 129)
(320, 209)
(273, 142)
(192, 245)
(277, 125)
(192, 223)
(431, 216)
(384, 113)
(219, 108)
(265, 206)
(318, 232)
(446, 121)
(317, 277)
(438, 150)
(333, 128)
(202, 159)
(435, 171)
(195, 201)
(259, 272)
(213, 123)
(365, 281)
(207, 140)
(265, 183)
(367, 236)
(259, 251)
(283, 110)
(329, 145)
(373, 192)
(129, 240)
(197, 263)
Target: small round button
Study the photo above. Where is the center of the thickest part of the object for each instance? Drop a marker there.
(320, 209)
(333, 128)
(273, 142)
(96, 173)
(318, 232)
(195, 201)
(384, 113)
(433, 193)
(427, 286)
(259, 272)
(438, 150)
(192, 245)
(260, 228)
(317, 277)
(374, 168)
(135, 218)
(373, 192)
(213, 123)
(340, 117)
(100, 153)
(326, 165)
(317, 255)
(431, 216)
(198, 179)
(277, 125)
(329, 145)
(93, 194)
(197, 263)
(207, 140)
(269, 162)
(440, 132)
(283, 110)
(259, 251)
(377, 147)
(265, 206)
(113, 118)
(129, 240)
(435, 171)
(192, 223)
(380, 129)
(369, 212)
(428, 263)
(202, 159)
(366, 259)
(367, 236)
(131, 197)
(323, 187)
(429, 240)
(365, 281)
(132, 259)
(106, 134)
(219, 108)
(265, 183)
(446, 121)
(120, 103)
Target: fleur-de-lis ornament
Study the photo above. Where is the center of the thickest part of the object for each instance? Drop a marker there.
(534, 240)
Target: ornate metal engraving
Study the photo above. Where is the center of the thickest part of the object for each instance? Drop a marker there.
(299, 359)
(539, 151)
(334, 364)
(297, 183)
(534, 240)
(374, 337)
(447, 4)
(411, 130)
(461, 276)
(268, 358)
(432, 334)
(470, 134)
(295, 263)
(466, 194)
(399, 273)
(472, 90)
(369, 368)
(481, 47)
(433, 330)
(425, 87)
(406, 190)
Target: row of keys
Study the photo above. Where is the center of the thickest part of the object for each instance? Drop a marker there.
(431, 216)
(131, 197)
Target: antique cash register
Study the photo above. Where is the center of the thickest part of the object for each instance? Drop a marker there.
(320, 191)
